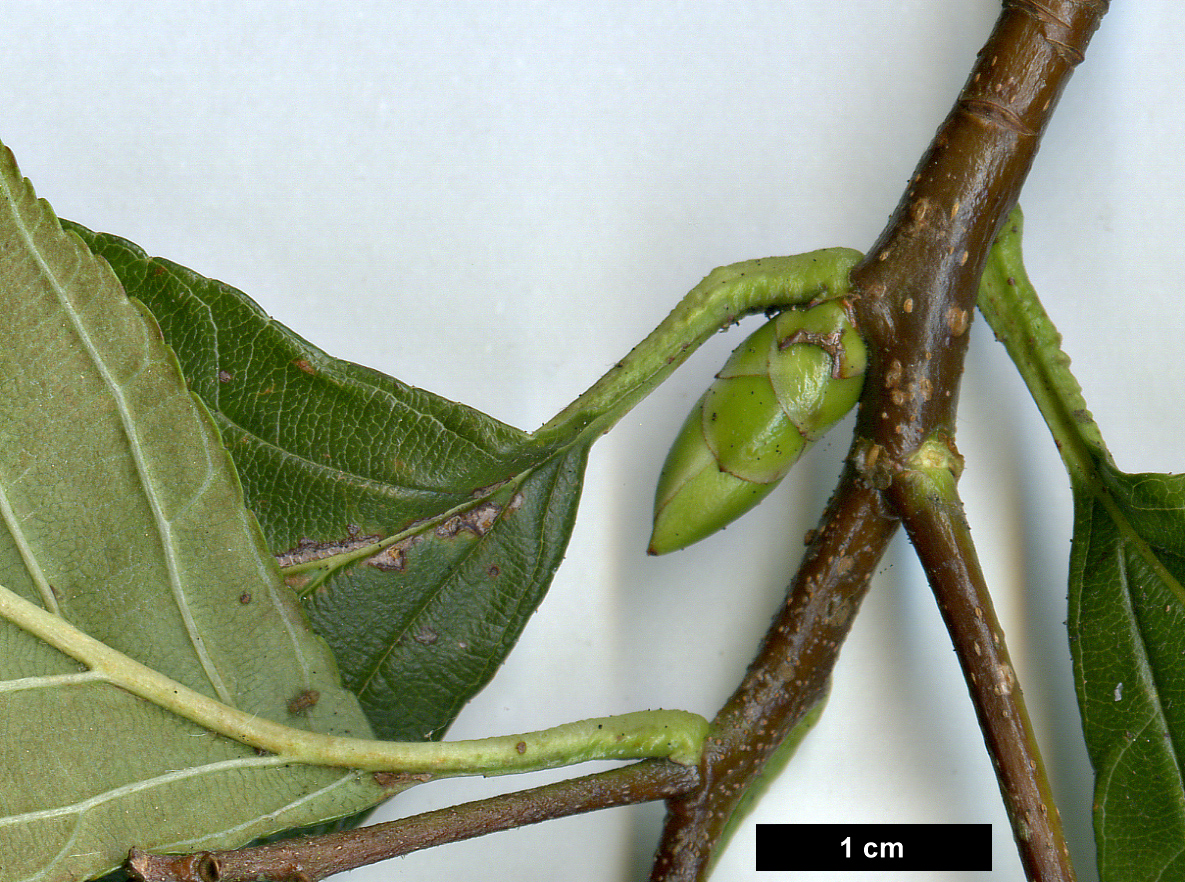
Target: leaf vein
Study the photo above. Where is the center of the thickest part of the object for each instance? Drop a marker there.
(82, 257)
(391, 491)
(380, 660)
(135, 787)
(51, 681)
(1146, 669)
(48, 600)
(196, 843)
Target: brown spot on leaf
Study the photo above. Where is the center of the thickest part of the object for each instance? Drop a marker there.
(391, 780)
(521, 748)
(225, 376)
(425, 636)
(297, 581)
(393, 558)
(493, 571)
(303, 701)
(304, 365)
(478, 521)
(245, 598)
(309, 550)
(389, 560)
(487, 490)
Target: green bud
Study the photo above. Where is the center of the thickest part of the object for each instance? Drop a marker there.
(793, 379)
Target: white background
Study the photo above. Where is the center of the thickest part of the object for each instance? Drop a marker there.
(496, 201)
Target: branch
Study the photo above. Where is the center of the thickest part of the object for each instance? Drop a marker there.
(920, 279)
(313, 858)
(786, 679)
(915, 293)
(932, 513)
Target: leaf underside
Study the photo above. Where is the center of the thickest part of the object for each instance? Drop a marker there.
(419, 533)
(121, 513)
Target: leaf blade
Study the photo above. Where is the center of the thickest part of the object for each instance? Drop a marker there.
(272, 392)
(115, 485)
(1127, 623)
(412, 461)
(455, 606)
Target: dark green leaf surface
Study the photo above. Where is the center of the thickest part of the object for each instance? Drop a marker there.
(1127, 631)
(420, 533)
(121, 518)
(417, 642)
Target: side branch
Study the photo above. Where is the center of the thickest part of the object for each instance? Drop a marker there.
(933, 517)
(313, 858)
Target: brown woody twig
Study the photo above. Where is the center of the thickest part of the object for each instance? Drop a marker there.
(915, 295)
(933, 517)
(787, 679)
(310, 859)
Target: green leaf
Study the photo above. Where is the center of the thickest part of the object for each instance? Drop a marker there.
(123, 519)
(420, 639)
(421, 534)
(1127, 600)
(1127, 632)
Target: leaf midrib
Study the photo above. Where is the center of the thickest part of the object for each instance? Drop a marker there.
(1146, 671)
(514, 484)
(1097, 487)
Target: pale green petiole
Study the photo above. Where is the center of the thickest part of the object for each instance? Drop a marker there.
(1010, 305)
(724, 296)
(677, 735)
